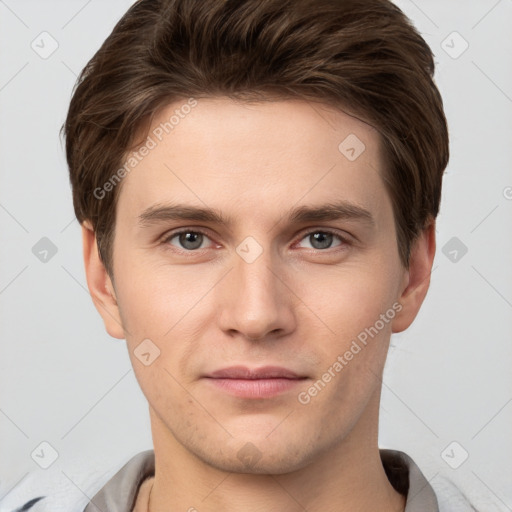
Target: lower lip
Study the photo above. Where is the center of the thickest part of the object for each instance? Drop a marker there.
(255, 388)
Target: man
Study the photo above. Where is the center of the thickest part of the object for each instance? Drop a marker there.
(257, 184)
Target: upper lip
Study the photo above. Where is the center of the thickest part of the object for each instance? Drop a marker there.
(265, 372)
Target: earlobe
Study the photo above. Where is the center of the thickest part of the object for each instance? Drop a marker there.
(417, 278)
(100, 285)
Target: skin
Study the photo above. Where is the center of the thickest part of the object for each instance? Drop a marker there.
(298, 305)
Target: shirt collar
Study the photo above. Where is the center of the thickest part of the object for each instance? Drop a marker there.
(120, 492)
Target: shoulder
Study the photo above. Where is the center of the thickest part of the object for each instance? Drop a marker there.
(437, 495)
(120, 492)
(29, 505)
(71, 490)
(37, 493)
(450, 497)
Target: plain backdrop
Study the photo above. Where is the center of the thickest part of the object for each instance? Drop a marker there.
(65, 382)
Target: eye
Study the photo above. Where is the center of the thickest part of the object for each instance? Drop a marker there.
(323, 239)
(189, 240)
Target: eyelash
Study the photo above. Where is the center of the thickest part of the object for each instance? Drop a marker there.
(344, 241)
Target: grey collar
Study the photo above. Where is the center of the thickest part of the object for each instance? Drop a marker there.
(120, 492)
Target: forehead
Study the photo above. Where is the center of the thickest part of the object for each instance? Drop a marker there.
(254, 157)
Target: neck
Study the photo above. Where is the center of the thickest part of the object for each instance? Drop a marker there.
(348, 477)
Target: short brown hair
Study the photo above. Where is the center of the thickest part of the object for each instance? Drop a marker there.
(361, 54)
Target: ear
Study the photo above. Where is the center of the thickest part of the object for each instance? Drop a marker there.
(100, 285)
(416, 280)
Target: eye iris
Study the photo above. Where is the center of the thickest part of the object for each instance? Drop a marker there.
(324, 239)
(190, 237)
(192, 240)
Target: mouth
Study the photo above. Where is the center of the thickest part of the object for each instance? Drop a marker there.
(264, 382)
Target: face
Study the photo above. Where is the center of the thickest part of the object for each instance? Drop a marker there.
(296, 276)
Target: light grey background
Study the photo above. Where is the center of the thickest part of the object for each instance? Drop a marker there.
(66, 382)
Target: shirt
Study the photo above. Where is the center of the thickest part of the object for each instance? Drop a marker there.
(121, 491)
(131, 484)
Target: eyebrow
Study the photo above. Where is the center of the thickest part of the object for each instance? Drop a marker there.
(342, 210)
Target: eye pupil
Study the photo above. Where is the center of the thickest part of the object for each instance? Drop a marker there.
(192, 240)
(191, 237)
(324, 239)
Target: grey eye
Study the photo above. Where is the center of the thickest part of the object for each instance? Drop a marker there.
(189, 240)
(321, 239)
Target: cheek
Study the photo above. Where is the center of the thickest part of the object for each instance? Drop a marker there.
(356, 310)
(350, 299)
(153, 298)
(164, 306)
(166, 392)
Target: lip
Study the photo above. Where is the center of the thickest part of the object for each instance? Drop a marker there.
(264, 382)
(265, 372)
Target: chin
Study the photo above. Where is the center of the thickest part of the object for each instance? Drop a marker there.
(277, 464)
(258, 456)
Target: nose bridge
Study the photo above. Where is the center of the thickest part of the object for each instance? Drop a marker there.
(255, 301)
(256, 279)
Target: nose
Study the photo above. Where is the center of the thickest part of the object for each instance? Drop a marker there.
(256, 302)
